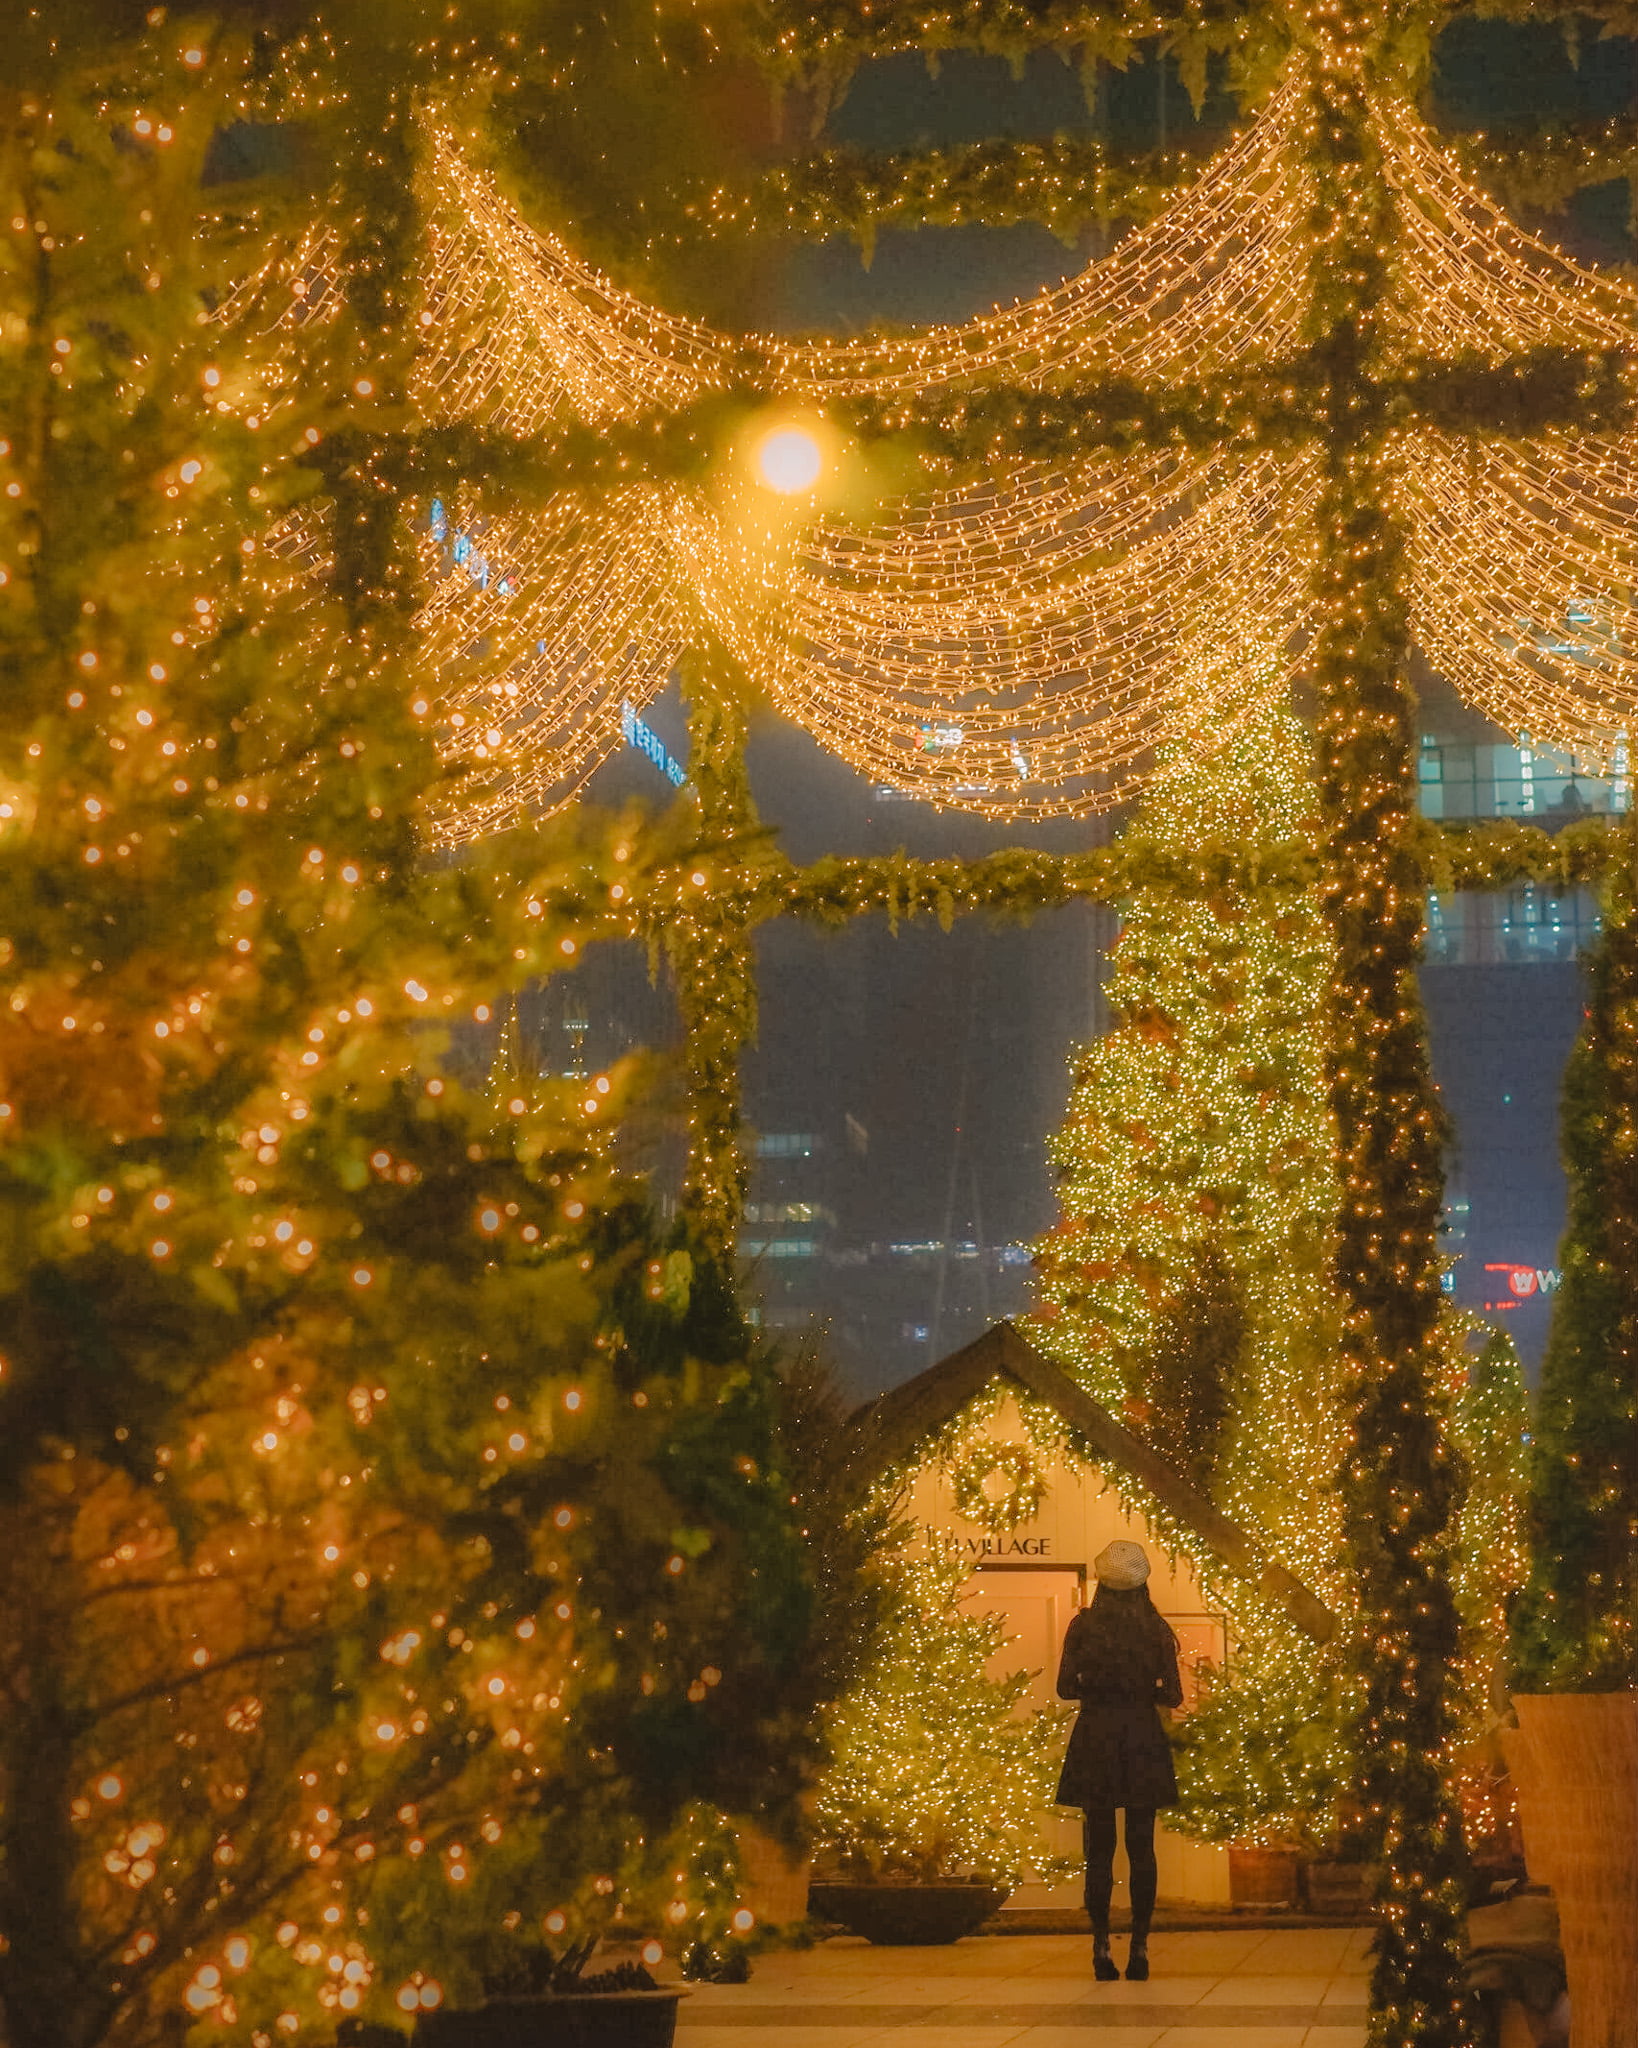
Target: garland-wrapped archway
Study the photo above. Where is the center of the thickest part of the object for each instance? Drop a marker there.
(1328, 403)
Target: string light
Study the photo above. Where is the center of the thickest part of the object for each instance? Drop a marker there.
(1021, 647)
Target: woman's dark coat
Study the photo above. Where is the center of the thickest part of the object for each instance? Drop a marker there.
(1118, 1752)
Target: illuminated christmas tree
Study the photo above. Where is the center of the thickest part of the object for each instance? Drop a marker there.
(1187, 1284)
(935, 1772)
(397, 1551)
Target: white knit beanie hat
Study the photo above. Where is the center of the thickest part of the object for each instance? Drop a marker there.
(1121, 1565)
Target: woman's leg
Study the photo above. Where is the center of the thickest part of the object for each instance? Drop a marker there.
(1098, 1839)
(1140, 1859)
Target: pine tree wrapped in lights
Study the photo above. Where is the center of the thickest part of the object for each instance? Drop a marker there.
(1576, 1629)
(394, 1542)
(934, 1772)
(1186, 1283)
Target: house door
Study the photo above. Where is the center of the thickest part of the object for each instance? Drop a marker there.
(1035, 1605)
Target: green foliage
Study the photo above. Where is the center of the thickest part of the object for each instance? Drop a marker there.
(1263, 1760)
(821, 46)
(1576, 1628)
(1067, 183)
(1492, 1557)
(1195, 1366)
(708, 945)
(1071, 183)
(1542, 172)
(398, 1541)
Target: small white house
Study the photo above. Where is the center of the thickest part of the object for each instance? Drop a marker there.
(1031, 1519)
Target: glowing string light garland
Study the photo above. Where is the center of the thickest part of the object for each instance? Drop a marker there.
(1016, 647)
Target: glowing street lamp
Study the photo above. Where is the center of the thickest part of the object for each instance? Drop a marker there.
(789, 460)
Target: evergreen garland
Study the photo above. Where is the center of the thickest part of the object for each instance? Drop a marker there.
(1276, 406)
(1401, 1480)
(1067, 183)
(809, 42)
(708, 944)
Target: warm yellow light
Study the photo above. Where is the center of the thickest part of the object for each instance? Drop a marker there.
(789, 460)
(1019, 643)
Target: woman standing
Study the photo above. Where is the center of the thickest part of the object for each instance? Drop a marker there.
(1120, 1662)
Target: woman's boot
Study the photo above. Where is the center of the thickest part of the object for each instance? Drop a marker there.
(1103, 1963)
(1137, 1957)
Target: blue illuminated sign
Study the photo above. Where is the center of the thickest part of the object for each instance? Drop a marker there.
(461, 552)
(647, 741)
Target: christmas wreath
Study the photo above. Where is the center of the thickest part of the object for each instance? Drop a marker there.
(980, 1498)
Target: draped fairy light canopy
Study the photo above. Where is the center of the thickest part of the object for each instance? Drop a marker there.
(1020, 645)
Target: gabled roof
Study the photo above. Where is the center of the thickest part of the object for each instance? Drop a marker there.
(890, 1428)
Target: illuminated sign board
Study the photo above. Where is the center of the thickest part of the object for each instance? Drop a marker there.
(648, 742)
(1521, 1283)
(461, 551)
(940, 739)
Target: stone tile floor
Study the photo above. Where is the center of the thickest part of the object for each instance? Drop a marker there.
(1285, 1988)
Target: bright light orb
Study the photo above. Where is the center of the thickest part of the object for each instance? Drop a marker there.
(789, 461)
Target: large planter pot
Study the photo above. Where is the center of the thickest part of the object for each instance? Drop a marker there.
(1574, 1764)
(588, 2019)
(1340, 1888)
(1263, 1877)
(775, 1882)
(907, 1915)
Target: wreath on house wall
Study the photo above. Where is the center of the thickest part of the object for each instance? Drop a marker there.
(998, 1485)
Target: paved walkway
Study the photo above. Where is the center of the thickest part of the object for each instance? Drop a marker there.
(1290, 1988)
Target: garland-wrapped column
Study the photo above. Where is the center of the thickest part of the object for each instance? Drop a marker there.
(1401, 1480)
(709, 944)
